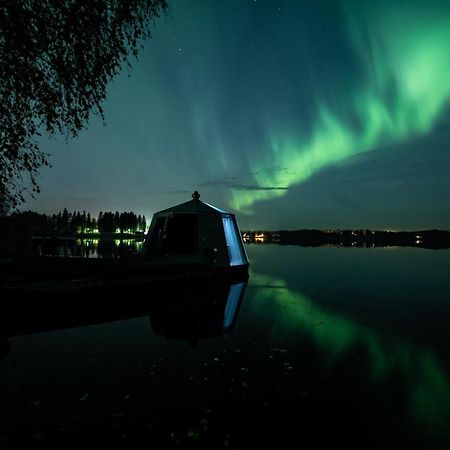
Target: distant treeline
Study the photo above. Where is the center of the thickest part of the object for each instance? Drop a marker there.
(73, 223)
(435, 239)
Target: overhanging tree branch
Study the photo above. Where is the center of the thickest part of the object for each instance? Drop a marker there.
(56, 59)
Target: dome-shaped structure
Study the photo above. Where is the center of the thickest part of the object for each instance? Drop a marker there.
(195, 233)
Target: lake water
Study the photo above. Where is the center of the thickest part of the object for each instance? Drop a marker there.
(323, 345)
(86, 248)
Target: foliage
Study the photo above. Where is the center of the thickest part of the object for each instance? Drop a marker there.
(56, 59)
(73, 223)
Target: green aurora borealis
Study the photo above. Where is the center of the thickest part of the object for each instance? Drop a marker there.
(327, 113)
(403, 49)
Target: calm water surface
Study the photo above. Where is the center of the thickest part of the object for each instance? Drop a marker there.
(327, 345)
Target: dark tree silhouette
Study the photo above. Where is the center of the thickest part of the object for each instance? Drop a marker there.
(56, 58)
(65, 220)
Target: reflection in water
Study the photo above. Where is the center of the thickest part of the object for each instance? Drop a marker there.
(87, 248)
(426, 385)
(191, 312)
(210, 313)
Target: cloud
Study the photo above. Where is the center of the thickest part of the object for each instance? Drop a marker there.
(344, 201)
(234, 184)
(170, 192)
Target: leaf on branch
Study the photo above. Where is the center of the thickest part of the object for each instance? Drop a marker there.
(56, 60)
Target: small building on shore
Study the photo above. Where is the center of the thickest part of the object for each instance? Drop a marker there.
(195, 233)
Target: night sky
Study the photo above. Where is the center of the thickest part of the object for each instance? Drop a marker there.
(292, 114)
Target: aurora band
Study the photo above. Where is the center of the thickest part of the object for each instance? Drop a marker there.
(403, 50)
